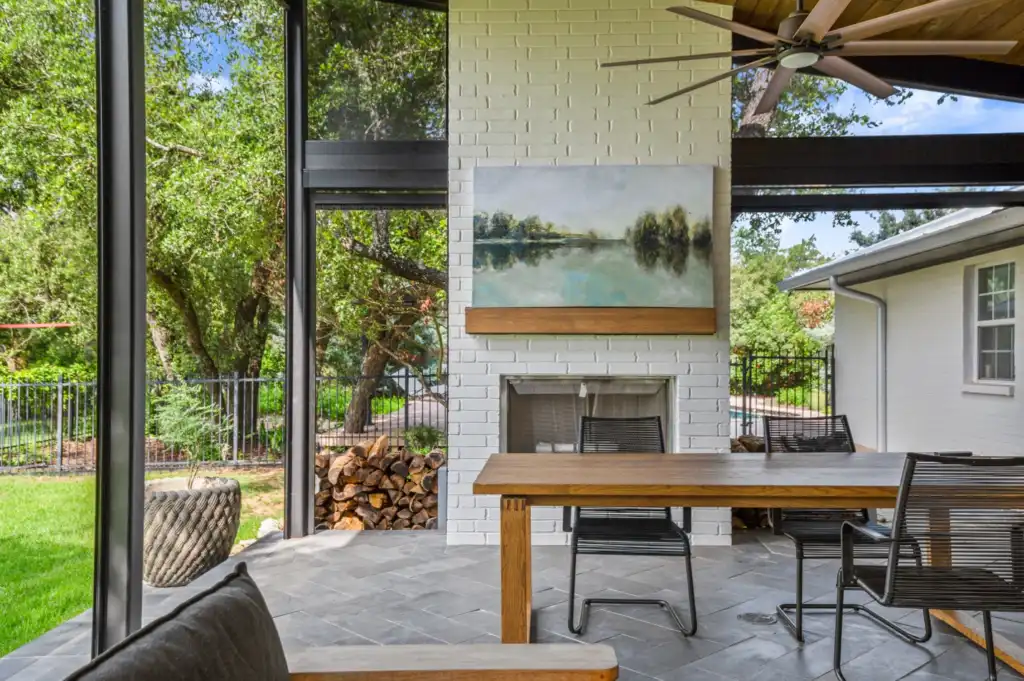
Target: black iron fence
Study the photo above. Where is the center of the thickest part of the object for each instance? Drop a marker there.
(229, 420)
(779, 385)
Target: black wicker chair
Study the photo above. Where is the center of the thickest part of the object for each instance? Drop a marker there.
(815, 532)
(627, 531)
(952, 509)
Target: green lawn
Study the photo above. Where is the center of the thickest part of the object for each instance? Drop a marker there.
(46, 545)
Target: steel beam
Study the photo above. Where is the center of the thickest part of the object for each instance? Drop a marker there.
(792, 203)
(300, 288)
(121, 361)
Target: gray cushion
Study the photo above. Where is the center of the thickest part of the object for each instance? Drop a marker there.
(226, 633)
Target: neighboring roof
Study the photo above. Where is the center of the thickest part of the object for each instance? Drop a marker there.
(956, 236)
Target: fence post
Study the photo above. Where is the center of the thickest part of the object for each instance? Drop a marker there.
(60, 422)
(831, 354)
(745, 387)
(234, 418)
(405, 408)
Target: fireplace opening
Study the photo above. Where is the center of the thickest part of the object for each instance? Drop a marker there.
(541, 414)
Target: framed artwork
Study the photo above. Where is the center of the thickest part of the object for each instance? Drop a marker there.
(593, 249)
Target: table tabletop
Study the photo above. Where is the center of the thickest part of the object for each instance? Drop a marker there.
(814, 480)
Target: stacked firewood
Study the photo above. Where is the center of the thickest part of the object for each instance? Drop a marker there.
(372, 486)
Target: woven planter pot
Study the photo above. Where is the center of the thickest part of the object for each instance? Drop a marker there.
(188, 531)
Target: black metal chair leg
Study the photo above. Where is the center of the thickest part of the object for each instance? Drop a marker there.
(579, 628)
(990, 646)
(837, 648)
(795, 626)
(573, 627)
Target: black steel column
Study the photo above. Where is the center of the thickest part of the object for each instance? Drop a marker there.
(300, 310)
(121, 361)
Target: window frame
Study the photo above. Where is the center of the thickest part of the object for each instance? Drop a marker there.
(977, 324)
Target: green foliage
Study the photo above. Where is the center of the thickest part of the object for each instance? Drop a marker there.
(505, 226)
(889, 225)
(44, 372)
(766, 320)
(804, 396)
(423, 438)
(188, 420)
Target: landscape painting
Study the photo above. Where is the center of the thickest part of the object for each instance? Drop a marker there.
(595, 236)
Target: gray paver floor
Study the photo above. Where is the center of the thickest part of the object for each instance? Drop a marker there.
(340, 588)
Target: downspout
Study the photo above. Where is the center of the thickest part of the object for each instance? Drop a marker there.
(880, 400)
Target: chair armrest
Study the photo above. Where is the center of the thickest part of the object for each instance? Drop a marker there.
(487, 662)
(846, 534)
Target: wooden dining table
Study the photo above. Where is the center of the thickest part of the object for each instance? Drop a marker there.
(739, 480)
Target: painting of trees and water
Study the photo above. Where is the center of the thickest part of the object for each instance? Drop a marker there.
(600, 236)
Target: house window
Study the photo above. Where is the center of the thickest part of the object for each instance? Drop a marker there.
(994, 323)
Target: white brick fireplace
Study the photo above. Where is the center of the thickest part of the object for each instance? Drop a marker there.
(525, 89)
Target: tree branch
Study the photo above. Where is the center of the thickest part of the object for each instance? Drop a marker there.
(380, 252)
(193, 330)
(180, 148)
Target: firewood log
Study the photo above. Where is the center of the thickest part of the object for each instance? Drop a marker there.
(368, 513)
(429, 481)
(412, 488)
(400, 524)
(400, 468)
(431, 524)
(338, 466)
(417, 463)
(389, 512)
(403, 502)
(385, 483)
(378, 451)
(415, 505)
(393, 495)
(335, 518)
(323, 484)
(350, 491)
(322, 460)
(362, 474)
(362, 498)
(377, 500)
(384, 524)
(320, 512)
(430, 501)
(417, 477)
(373, 479)
(351, 467)
(398, 480)
(420, 518)
(435, 459)
(388, 461)
(322, 497)
(404, 513)
(349, 523)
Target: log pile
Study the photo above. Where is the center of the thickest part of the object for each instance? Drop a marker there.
(372, 486)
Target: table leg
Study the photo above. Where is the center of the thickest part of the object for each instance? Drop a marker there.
(516, 582)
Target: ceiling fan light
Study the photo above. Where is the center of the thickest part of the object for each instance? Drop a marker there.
(799, 58)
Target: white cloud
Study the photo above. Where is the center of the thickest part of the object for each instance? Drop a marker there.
(922, 114)
(203, 81)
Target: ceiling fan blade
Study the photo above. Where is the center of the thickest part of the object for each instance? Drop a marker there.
(855, 75)
(890, 22)
(776, 86)
(689, 57)
(888, 48)
(734, 26)
(821, 18)
(715, 79)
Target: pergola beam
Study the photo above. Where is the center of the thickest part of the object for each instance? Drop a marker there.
(121, 321)
(795, 203)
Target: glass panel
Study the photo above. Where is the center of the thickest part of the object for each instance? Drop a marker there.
(377, 71)
(1004, 338)
(1004, 366)
(986, 307)
(987, 338)
(986, 281)
(1002, 306)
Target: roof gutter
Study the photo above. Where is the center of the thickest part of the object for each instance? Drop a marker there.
(881, 426)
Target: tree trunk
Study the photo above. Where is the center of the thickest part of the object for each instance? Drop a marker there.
(374, 362)
(161, 338)
(751, 124)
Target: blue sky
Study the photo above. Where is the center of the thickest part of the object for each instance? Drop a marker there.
(919, 115)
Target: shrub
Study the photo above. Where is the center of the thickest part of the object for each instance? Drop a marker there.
(188, 420)
(423, 438)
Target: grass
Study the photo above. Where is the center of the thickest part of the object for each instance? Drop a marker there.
(46, 544)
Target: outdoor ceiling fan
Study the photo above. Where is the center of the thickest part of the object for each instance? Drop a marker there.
(807, 39)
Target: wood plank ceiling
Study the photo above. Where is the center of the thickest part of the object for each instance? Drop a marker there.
(997, 20)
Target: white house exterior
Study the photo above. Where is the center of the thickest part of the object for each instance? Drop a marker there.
(949, 289)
